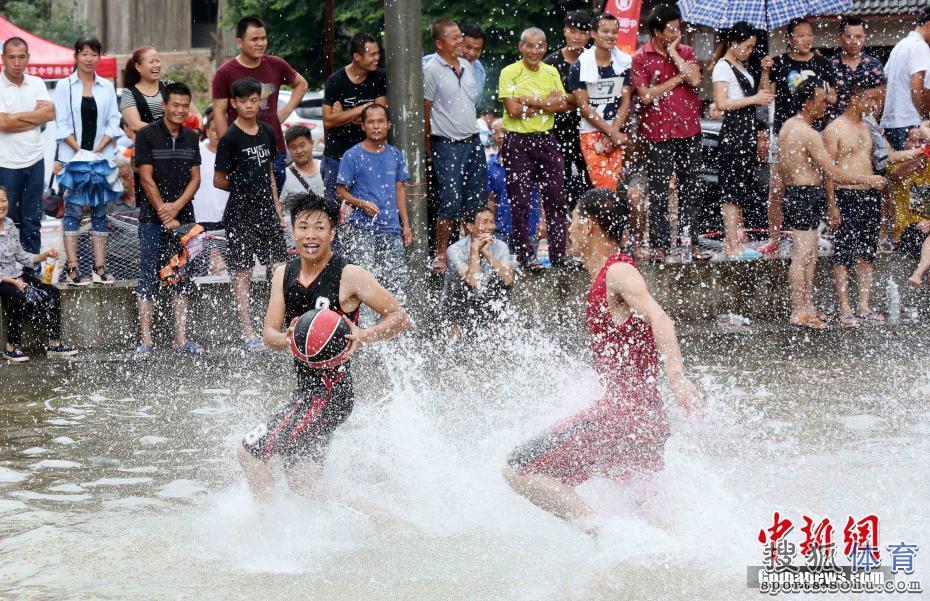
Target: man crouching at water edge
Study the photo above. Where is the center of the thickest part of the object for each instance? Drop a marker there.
(623, 434)
(301, 429)
(803, 163)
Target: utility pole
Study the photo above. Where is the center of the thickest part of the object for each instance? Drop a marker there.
(403, 48)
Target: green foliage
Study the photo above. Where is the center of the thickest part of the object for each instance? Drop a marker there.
(194, 78)
(296, 27)
(38, 17)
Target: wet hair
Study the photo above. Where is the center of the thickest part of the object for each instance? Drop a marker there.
(806, 91)
(245, 87)
(15, 41)
(131, 75)
(178, 89)
(864, 84)
(470, 30)
(5, 193)
(374, 105)
(490, 110)
(660, 17)
(245, 22)
(296, 132)
(357, 43)
(850, 21)
(578, 19)
(795, 23)
(439, 28)
(738, 33)
(596, 20)
(85, 42)
(309, 202)
(609, 210)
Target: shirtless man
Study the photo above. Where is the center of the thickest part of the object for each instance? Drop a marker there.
(857, 215)
(803, 162)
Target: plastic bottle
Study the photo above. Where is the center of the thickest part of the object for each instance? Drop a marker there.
(894, 301)
(685, 242)
(48, 270)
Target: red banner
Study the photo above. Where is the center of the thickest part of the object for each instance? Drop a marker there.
(627, 13)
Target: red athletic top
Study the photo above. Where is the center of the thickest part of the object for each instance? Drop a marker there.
(625, 355)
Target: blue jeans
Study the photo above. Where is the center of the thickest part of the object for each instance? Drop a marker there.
(462, 177)
(156, 246)
(897, 136)
(280, 169)
(24, 190)
(330, 170)
(71, 221)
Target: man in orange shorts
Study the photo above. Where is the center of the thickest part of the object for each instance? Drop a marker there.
(600, 81)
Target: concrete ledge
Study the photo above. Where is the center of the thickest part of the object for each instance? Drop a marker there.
(106, 317)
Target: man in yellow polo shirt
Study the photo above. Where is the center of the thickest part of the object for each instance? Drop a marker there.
(532, 92)
(910, 191)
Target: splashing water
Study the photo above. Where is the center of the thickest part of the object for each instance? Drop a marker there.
(127, 487)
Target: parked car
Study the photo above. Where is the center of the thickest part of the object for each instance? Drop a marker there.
(308, 113)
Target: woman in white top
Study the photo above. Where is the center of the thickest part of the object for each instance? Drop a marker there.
(737, 94)
(209, 201)
(86, 118)
(303, 175)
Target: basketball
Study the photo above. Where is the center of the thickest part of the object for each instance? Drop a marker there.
(319, 339)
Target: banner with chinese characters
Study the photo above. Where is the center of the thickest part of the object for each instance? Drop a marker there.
(627, 13)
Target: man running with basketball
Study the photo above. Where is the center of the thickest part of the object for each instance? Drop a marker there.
(623, 433)
(301, 429)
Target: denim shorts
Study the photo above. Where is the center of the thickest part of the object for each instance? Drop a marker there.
(383, 255)
(461, 177)
(71, 221)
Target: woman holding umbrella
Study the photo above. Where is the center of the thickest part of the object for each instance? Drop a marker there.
(737, 94)
(87, 119)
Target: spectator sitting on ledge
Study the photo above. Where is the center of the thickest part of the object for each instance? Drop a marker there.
(480, 272)
(24, 293)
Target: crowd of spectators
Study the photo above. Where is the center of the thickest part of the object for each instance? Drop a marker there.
(502, 180)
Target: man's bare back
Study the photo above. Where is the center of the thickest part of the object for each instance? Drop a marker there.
(850, 145)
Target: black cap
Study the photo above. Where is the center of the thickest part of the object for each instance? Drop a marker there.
(924, 16)
(579, 19)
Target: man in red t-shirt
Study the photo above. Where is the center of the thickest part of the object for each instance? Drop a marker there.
(667, 77)
(271, 71)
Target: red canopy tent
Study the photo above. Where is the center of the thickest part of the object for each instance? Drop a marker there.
(49, 60)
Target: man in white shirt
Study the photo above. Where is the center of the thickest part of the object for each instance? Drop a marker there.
(25, 106)
(907, 69)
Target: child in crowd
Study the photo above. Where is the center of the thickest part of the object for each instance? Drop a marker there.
(253, 217)
(303, 175)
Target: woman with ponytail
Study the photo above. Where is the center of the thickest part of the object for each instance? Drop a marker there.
(737, 94)
(141, 103)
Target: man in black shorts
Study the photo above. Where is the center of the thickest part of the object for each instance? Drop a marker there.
(253, 218)
(803, 163)
(858, 218)
(301, 429)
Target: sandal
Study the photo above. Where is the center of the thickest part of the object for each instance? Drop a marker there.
(849, 321)
(190, 348)
(872, 316)
(440, 264)
(143, 352)
(100, 276)
(810, 322)
(73, 276)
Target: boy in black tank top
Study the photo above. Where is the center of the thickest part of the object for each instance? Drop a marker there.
(301, 429)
